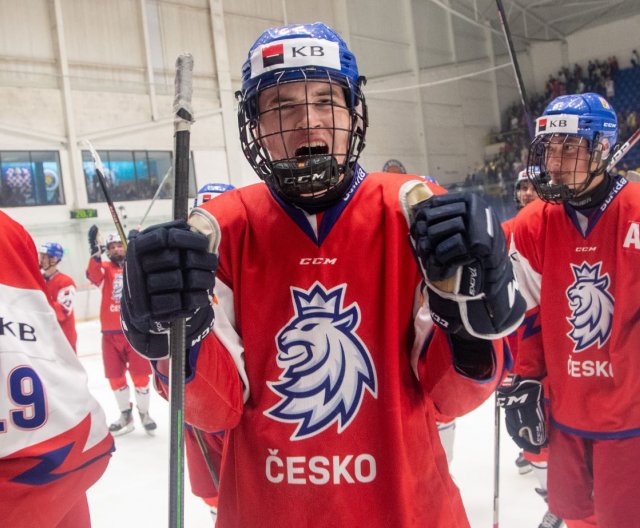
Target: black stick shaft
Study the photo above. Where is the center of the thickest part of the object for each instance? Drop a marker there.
(103, 185)
(177, 343)
(516, 69)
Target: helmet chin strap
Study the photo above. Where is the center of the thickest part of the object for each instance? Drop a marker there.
(593, 197)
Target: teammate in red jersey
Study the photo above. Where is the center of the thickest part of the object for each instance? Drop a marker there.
(524, 194)
(54, 442)
(60, 288)
(117, 354)
(324, 359)
(576, 254)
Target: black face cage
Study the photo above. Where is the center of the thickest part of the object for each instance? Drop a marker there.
(313, 177)
(570, 154)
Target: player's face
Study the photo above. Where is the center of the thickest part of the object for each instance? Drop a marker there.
(526, 193)
(567, 161)
(303, 119)
(115, 250)
(44, 261)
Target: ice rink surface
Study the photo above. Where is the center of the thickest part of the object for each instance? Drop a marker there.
(133, 493)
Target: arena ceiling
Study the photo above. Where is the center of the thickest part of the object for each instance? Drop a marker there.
(544, 19)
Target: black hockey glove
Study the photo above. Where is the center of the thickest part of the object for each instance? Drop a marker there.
(523, 402)
(457, 236)
(169, 274)
(95, 243)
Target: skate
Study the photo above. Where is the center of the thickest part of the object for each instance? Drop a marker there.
(550, 521)
(149, 425)
(122, 425)
(523, 465)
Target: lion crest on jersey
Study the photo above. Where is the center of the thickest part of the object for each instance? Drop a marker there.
(326, 366)
(591, 305)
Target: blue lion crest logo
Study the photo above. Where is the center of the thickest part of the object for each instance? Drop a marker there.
(326, 366)
(591, 306)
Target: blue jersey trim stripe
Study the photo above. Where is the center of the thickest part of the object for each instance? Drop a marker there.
(595, 435)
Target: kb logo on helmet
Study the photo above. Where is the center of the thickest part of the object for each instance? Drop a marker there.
(562, 123)
(295, 53)
(559, 123)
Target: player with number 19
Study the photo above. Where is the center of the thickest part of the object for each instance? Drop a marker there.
(346, 308)
(54, 441)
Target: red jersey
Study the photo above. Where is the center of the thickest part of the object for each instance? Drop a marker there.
(54, 438)
(62, 292)
(323, 364)
(507, 227)
(580, 278)
(109, 275)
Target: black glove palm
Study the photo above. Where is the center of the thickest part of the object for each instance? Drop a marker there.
(458, 235)
(169, 273)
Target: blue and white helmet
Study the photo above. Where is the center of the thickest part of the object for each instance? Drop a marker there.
(302, 53)
(587, 116)
(209, 191)
(52, 250)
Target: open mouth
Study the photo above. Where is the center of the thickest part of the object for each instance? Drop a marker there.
(317, 148)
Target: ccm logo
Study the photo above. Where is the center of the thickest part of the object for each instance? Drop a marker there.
(585, 249)
(318, 261)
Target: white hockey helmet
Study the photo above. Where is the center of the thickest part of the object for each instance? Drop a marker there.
(111, 239)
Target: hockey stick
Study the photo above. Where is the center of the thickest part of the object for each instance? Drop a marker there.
(516, 69)
(155, 196)
(177, 343)
(622, 151)
(496, 465)
(207, 459)
(103, 184)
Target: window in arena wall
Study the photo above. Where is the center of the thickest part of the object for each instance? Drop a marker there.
(132, 175)
(30, 177)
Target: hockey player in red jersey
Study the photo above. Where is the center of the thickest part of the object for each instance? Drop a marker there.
(324, 357)
(576, 254)
(60, 288)
(54, 442)
(117, 354)
(524, 194)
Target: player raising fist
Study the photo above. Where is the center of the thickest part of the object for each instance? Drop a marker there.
(319, 356)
